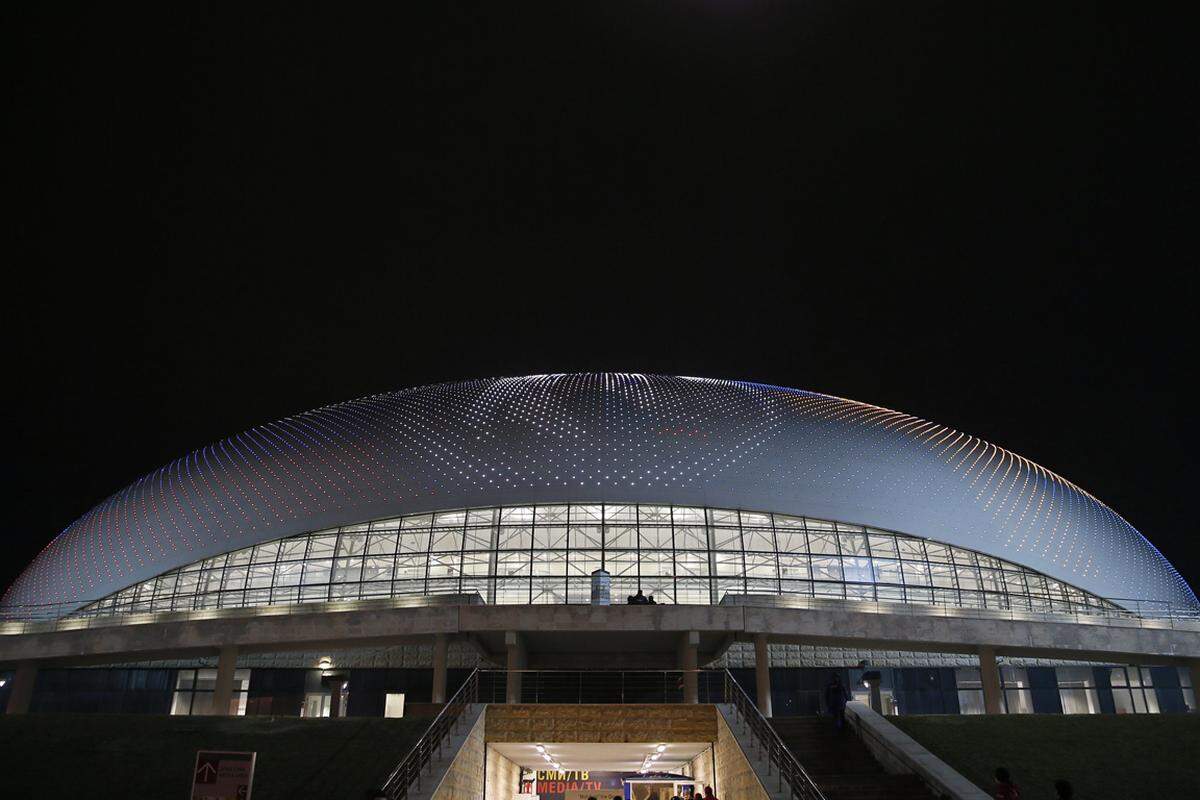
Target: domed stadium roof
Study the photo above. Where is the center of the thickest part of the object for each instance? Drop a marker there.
(599, 437)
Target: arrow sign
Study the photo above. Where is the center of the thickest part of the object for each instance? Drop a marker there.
(221, 775)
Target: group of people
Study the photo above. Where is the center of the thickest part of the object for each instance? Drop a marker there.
(1006, 789)
(640, 599)
(708, 795)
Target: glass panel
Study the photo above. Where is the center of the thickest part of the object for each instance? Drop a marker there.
(621, 514)
(322, 545)
(728, 539)
(822, 543)
(620, 537)
(790, 539)
(853, 544)
(550, 562)
(621, 562)
(583, 537)
(381, 544)
(883, 546)
(293, 549)
(857, 570)
(479, 539)
(266, 553)
(729, 563)
(583, 562)
(691, 537)
(826, 569)
(689, 563)
(655, 538)
(550, 515)
(887, 571)
(753, 519)
(910, 549)
(487, 517)
(657, 562)
(414, 541)
(759, 565)
(937, 552)
(942, 575)
(1019, 701)
(411, 567)
(512, 563)
(550, 538)
(446, 540)
(794, 566)
(654, 515)
(758, 539)
(347, 570)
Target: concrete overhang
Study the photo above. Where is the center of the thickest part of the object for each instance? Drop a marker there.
(589, 636)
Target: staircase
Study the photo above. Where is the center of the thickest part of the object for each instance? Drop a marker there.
(840, 765)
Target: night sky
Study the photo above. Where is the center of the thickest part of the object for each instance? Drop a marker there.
(980, 216)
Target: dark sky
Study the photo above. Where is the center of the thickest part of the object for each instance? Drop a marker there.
(982, 216)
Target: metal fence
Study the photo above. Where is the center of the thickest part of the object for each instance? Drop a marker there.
(601, 686)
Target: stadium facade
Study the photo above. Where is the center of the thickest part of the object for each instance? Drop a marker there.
(516, 491)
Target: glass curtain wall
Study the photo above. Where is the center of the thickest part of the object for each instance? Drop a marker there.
(546, 554)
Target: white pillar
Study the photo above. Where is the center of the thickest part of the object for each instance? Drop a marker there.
(223, 691)
(440, 646)
(989, 677)
(762, 674)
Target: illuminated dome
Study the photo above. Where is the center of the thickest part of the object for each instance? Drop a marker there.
(596, 442)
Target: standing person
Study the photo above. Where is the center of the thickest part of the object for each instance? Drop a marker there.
(1005, 788)
(708, 793)
(836, 697)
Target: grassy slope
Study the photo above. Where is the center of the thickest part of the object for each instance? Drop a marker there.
(102, 756)
(1127, 756)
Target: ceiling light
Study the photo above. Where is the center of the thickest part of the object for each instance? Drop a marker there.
(661, 747)
(556, 765)
(541, 749)
(655, 757)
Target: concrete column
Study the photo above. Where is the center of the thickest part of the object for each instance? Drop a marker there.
(876, 695)
(1194, 671)
(21, 693)
(223, 691)
(762, 674)
(440, 645)
(516, 662)
(688, 645)
(989, 676)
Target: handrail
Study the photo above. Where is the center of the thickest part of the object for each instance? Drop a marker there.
(408, 771)
(48, 617)
(777, 755)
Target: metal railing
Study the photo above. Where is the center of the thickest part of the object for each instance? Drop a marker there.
(72, 615)
(779, 759)
(421, 757)
(1149, 613)
(601, 686)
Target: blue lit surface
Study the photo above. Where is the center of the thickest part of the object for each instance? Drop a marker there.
(596, 438)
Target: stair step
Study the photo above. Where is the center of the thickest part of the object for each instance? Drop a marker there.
(841, 765)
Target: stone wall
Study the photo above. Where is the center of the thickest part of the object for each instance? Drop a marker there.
(574, 722)
(734, 778)
(503, 777)
(464, 779)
